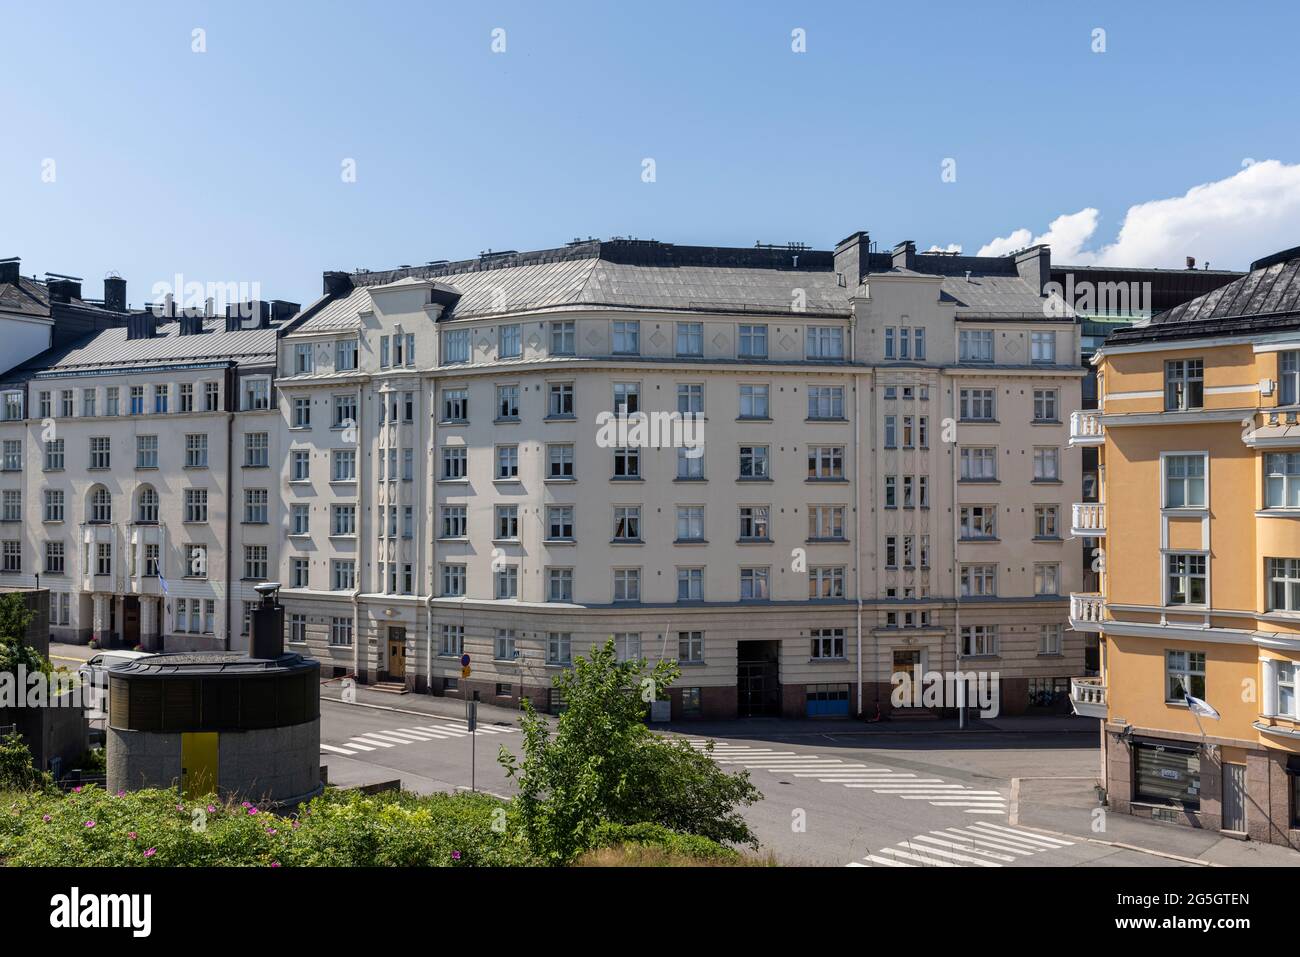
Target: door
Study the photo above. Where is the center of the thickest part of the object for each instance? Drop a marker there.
(131, 621)
(397, 654)
(908, 661)
(1234, 798)
(758, 678)
(198, 763)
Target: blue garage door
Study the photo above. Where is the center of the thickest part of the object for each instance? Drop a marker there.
(828, 701)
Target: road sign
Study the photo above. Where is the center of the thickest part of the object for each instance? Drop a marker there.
(464, 661)
(465, 672)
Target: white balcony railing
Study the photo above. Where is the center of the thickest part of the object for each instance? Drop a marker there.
(1086, 428)
(1088, 520)
(1088, 697)
(1086, 611)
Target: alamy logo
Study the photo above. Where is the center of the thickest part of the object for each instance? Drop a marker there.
(74, 910)
(654, 430)
(944, 689)
(23, 689)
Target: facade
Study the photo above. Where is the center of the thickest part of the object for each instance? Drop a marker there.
(1198, 444)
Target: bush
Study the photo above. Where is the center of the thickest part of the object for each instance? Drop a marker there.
(604, 766)
(661, 838)
(17, 771)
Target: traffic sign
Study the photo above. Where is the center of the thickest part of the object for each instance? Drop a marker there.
(464, 661)
(465, 672)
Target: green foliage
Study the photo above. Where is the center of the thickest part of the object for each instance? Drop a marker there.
(14, 650)
(17, 772)
(92, 828)
(657, 836)
(604, 766)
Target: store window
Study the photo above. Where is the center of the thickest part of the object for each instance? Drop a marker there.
(1167, 775)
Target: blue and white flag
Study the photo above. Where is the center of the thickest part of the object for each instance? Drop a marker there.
(162, 582)
(1199, 706)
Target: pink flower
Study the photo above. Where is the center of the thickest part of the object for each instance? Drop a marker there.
(46, 818)
(246, 804)
(211, 809)
(275, 863)
(180, 807)
(132, 835)
(120, 794)
(296, 825)
(270, 830)
(151, 852)
(90, 824)
(77, 789)
(252, 810)
(455, 855)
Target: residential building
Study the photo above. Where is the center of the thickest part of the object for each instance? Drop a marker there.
(1199, 448)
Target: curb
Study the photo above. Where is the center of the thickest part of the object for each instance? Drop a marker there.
(384, 707)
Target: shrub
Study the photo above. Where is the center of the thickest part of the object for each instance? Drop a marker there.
(17, 771)
(656, 836)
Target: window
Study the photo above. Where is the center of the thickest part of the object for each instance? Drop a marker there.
(627, 645)
(44, 404)
(507, 582)
(977, 405)
(196, 450)
(101, 506)
(255, 561)
(301, 412)
(211, 396)
(1184, 675)
(146, 510)
(754, 523)
(627, 337)
(137, 400)
(1167, 775)
(979, 464)
(627, 523)
(754, 462)
(196, 505)
(825, 342)
(507, 518)
(753, 402)
(826, 522)
(454, 462)
(690, 647)
(13, 455)
(255, 506)
(627, 463)
(298, 573)
(559, 400)
(826, 582)
(1045, 405)
(690, 398)
(11, 556)
(979, 641)
(257, 394)
(559, 523)
(1047, 578)
(690, 523)
(690, 338)
(53, 505)
(343, 520)
(297, 629)
(979, 581)
(341, 631)
(503, 647)
(11, 405)
(453, 580)
(627, 584)
(99, 452)
(627, 398)
(891, 432)
(103, 558)
(827, 643)
(54, 558)
(1283, 584)
(453, 641)
(507, 463)
(303, 358)
(146, 451)
(975, 345)
(87, 403)
(11, 506)
(345, 411)
(196, 561)
(752, 342)
(455, 346)
(1282, 480)
(343, 465)
(559, 461)
(559, 584)
(1185, 481)
(1046, 524)
(979, 521)
(455, 405)
(690, 584)
(455, 521)
(826, 402)
(563, 338)
(1049, 639)
(1042, 347)
(161, 394)
(343, 574)
(826, 463)
(559, 645)
(1288, 364)
(754, 584)
(1186, 578)
(345, 356)
(1285, 675)
(510, 343)
(1046, 464)
(507, 402)
(1184, 384)
(299, 465)
(256, 450)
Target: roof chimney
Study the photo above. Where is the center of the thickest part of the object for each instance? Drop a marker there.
(1034, 265)
(62, 288)
(115, 293)
(10, 269)
(852, 257)
(141, 325)
(905, 255)
(283, 311)
(1191, 262)
(337, 283)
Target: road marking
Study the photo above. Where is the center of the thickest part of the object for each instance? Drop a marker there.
(331, 748)
(927, 861)
(942, 850)
(962, 846)
(1024, 835)
(368, 739)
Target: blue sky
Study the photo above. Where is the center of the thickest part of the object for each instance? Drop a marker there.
(225, 166)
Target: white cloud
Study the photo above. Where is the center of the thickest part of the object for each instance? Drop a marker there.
(1228, 223)
(954, 248)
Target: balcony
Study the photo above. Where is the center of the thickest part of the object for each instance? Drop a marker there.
(1086, 611)
(1088, 520)
(1086, 428)
(1088, 697)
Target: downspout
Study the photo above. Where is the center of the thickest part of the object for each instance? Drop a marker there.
(858, 479)
(431, 461)
(361, 539)
(232, 395)
(956, 567)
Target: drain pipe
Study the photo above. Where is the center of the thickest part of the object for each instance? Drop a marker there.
(857, 493)
(956, 567)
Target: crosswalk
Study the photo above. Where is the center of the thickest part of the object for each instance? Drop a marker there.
(417, 734)
(982, 844)
(857, 775)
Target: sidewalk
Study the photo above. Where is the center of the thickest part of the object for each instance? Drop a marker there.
(1069, 806)
(793, 727)
(414, 703)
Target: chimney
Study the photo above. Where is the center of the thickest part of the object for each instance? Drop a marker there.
(282, 311)
(115, 293)
(10, 269)
(191, 323)
(141, 325)
(852, 259)
(905, 255)
(62, 288)
(267, 639)
(337, 283)
(1191, 262)
(1035, 267)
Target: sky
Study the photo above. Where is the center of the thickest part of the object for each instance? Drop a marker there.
(263, 143)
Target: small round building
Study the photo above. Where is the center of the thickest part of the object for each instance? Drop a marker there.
(244, 726)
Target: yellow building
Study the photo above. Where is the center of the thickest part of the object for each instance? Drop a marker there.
(1198, 546)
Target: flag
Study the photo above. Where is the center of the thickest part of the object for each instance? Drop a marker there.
(162, 582)
(1200, 707)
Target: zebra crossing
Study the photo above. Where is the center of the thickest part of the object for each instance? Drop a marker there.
(982, 844)
(417, 734)
(856, 775)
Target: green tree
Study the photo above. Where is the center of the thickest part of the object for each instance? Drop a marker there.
(602, 765)
(14, 650)
(17, 772)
